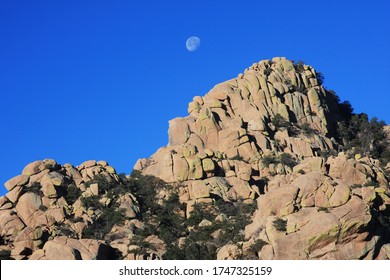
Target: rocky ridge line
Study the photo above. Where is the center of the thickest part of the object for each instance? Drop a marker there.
(231, 148)
(264, 141)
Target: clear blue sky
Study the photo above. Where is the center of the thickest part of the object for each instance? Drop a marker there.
(84, 80)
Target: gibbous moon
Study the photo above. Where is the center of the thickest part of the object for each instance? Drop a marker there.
(192, 43)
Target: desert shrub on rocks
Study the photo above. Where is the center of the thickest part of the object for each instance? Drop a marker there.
(5, 255)
(2, 240)
(356, 186)
(162, 219)
(284, 158)
(91, 202)
(306, 129)
(299, 66)
(360, 133)
(237, 157)
(105, 184)
(201, 242)
(287, 160)
(255, 248)
(267, 71)
(104, 222)
(327, 153)
(279, 122)
(72, 193)
(269, 159)
(324, 209)
(280, 224)
(106, 215)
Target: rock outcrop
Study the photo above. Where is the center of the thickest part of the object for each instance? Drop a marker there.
(43, 217)
(264, 141)
(241, 142)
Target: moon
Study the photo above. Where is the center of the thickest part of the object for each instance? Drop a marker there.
(192, 43)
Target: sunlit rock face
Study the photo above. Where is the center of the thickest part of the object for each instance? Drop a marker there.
(267, 136)
(262, 143)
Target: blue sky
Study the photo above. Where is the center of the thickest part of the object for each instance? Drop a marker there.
(84, 80)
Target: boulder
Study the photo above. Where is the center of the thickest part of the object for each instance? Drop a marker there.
(32, 168)
(28, 204)
(19, 180)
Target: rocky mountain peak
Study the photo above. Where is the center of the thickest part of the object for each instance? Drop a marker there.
(277, 106)
(253, 172)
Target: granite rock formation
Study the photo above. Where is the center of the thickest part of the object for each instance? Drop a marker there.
(266, 140)
(268, 135)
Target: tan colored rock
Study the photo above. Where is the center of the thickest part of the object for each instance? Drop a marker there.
(14, 194)
(110, 170)
(87, 164)
(28, 204)
(127, 202)
(241, 187)
(179, 131)
(10, 223)
(267, 253)
(195, 169)
(316, 164)
(32, 168)
(208, 165)
(19, 180)
(94, 188)
(200, 189)
(48, 187)
(308, 185)
(205, 223)
(157, 244)
(58, 251)
(102, 163)
(229, 252)
(180, 168)
(332, 195)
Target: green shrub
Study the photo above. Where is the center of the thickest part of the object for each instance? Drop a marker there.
(269, 159)
(257, 246)
(104, 223)
(105, 183)
(279, 122)
(299, 66)
(280, 224)
(5, 255)
(66, 231)
(237, 157)
(323, 209)
(91, 202)
(327, 153)
(372, 184)
(287, 160)
(307, 130)
(268, 71)
(72, 193)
